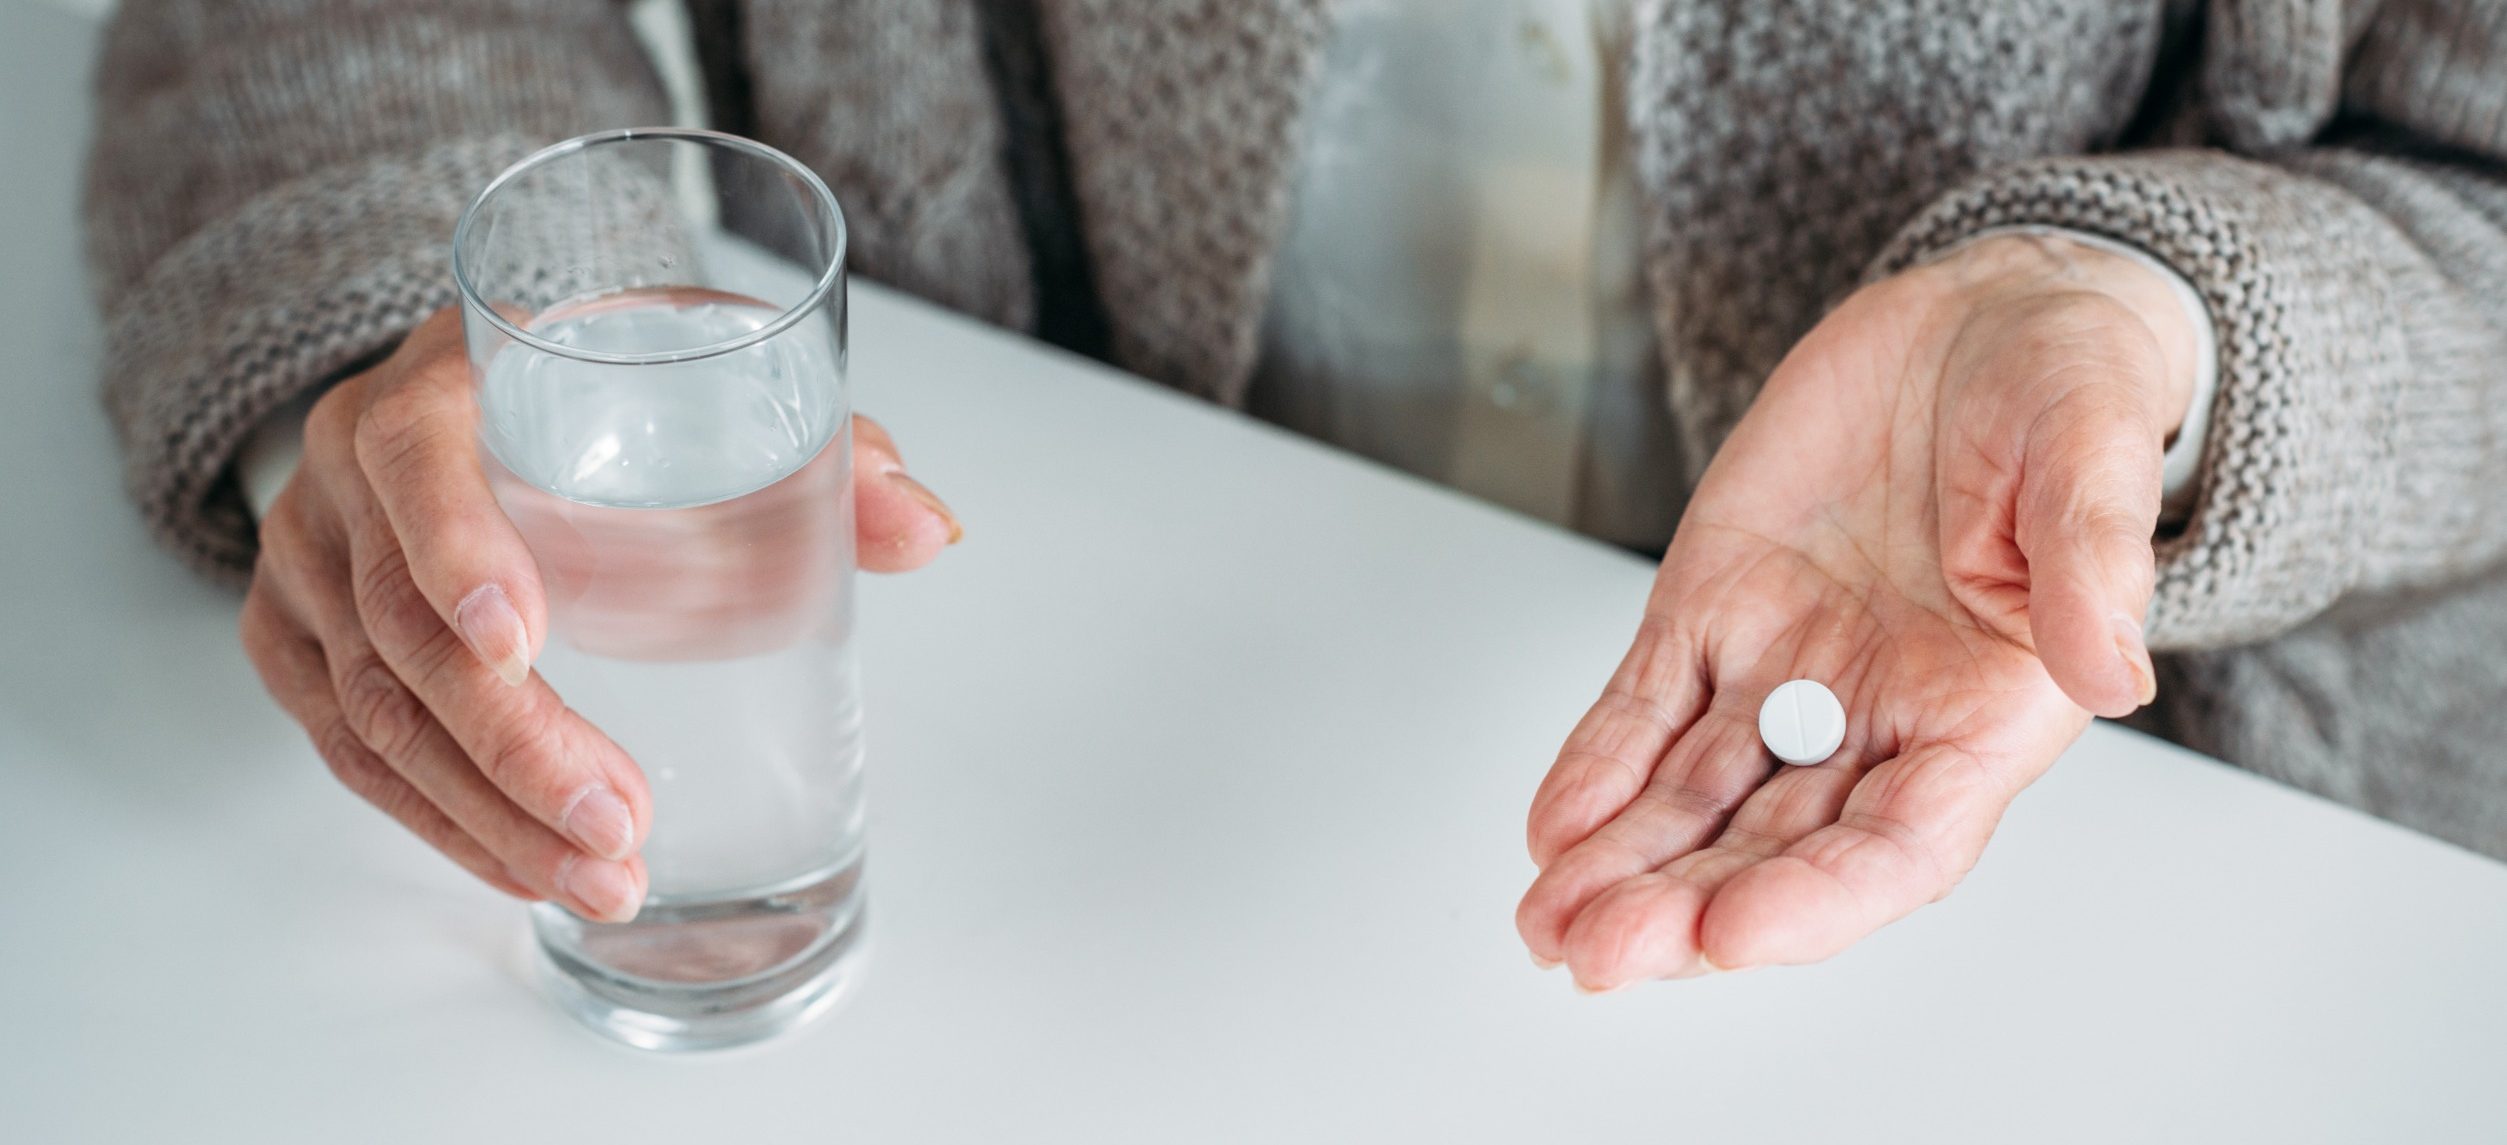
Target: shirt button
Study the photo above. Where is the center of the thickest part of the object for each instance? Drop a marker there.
(1521, 388)
(1544, 51)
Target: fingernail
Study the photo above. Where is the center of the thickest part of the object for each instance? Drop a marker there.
(605, 889)
(1545, 963)
(2130, 644)
(930, 501)
(600, 821)
(488, 623)
(1584, 987)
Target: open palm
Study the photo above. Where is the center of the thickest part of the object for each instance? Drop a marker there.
(1940, 506)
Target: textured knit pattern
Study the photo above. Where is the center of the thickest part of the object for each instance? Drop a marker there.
(2390, 703)
(544, 240)
(1182, 120)
(272, 198)
(886, 100)
(292, 288)
(277, 178)
(1787, 139)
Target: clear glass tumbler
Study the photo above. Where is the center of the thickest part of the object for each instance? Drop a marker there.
(656, 326)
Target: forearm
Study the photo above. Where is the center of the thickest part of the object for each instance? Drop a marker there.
(272, 195)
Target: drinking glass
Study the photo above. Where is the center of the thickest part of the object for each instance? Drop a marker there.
(656, 330)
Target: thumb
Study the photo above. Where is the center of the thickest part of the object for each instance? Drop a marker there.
(2088, 504)
(900, 525)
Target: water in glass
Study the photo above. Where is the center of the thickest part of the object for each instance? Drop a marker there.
(693, 522)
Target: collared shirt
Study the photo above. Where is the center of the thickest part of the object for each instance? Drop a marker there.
(1460, 290)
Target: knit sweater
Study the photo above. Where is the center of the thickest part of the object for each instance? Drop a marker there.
(275, 181)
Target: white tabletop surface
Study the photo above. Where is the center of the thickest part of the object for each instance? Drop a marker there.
(1200, 773)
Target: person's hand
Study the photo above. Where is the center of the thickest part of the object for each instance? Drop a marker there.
(395, 612)
(1940, 506)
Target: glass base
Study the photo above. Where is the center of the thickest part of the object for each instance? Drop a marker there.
(713, 974)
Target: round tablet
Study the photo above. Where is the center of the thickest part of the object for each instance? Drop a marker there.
(1802, 722)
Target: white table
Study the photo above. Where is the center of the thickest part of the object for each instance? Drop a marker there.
(1200, 769)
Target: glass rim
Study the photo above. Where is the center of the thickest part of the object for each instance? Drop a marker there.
(820, 291)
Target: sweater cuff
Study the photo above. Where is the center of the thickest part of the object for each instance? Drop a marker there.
(266, 304)
(2297, 464)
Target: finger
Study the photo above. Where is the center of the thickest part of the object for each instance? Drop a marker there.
(389, 721)
(1656, 693)
(292, 668)
(2088, 503)
(547, 760)
(417, 444)
(1715, 764)
(1910, 830)
(1646, 927)
(901, 524)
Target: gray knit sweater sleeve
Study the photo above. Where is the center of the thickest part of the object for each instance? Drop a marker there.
(2358, 290)
(271, 199)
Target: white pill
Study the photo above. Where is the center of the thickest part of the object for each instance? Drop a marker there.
(1802, 722)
